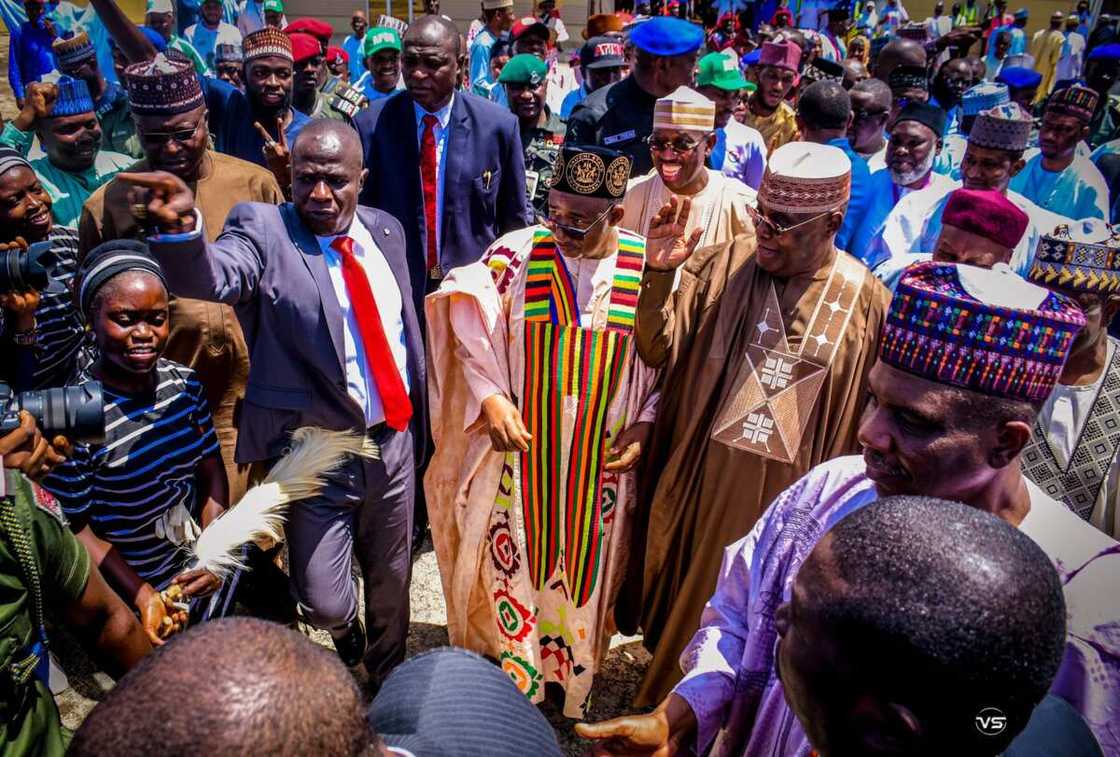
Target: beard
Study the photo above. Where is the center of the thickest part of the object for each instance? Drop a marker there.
(906, 178)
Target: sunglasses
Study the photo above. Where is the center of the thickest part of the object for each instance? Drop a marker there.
(182, 136)
(681, 145)
(572, 232)
(773, 229)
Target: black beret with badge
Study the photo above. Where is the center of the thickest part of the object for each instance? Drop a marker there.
(591, 171)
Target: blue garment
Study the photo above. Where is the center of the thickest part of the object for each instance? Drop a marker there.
(187, 14)
(883, 196)
(719, 151)
(12, 15)
(953, 116)
(1108, 153)
(480, 62)
(30, 56)
(357, 65)
(231, 122)
(1018, 40)
(498, 95)
(147, 466)
(483, 178)
(1077, 192)
(571, 100)
(861, 185)
(71, 19)
(948, 161)
(366, 87)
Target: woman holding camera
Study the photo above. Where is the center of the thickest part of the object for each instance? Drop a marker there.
(41, 335)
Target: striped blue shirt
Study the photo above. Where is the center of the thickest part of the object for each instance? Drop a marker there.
(63, 347)
(144, 468)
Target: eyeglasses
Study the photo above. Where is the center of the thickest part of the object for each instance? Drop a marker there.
(867, 115)
(681, 145)
(182, 136)
(573, 232)
(773, 229)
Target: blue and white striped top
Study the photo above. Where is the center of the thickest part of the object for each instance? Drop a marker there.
(64, 347)
(145, 467)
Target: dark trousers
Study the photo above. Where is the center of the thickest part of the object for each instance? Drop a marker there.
(367, 507)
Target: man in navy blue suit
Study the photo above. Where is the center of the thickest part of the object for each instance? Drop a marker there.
(447, 164)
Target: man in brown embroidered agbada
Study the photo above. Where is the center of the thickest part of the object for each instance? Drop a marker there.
(766, 381)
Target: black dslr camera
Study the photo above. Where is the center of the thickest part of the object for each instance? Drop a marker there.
(21, 270)
(76, 412)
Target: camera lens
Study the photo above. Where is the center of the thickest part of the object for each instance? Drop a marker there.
(76, 412)
(21, 271)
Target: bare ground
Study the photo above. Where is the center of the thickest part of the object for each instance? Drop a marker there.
(614, 687)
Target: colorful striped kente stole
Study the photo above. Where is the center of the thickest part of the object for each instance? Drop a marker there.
(567, 366)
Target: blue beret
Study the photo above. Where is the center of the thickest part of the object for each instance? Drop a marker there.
(1019, 78)
(665, 35)
(1106, 52)
(752, 58)
(1022, 13)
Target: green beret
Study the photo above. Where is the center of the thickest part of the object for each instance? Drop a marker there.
(524, 69)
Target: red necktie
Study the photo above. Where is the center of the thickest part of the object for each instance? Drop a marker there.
(428, 175)
(379, 358)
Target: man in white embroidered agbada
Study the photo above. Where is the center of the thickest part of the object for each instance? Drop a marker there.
(540, 409)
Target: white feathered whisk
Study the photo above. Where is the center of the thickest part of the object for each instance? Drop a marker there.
(259, 516)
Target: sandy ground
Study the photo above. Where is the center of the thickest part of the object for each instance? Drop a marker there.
(614, 687)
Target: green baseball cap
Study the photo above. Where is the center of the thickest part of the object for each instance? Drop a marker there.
(720, 71)
(524, 69)
(380, 38)
(275, 6)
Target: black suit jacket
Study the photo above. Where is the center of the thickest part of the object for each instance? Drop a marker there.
(478, 206)
(269, 267)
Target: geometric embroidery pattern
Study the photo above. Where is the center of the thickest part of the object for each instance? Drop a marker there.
(1080, 482)
(776, 389)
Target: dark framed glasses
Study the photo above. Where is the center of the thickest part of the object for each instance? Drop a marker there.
(572, 232)
(182, 136)
(679, 144)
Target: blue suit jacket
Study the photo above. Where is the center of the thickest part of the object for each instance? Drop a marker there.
(483, 137)
(269, 267)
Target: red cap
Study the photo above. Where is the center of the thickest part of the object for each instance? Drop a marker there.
(304, 46)
(336, 54)
(529, 23)
(321, 30)
(986, 213)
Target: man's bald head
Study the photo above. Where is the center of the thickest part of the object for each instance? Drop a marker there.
(899, 52)
(926, 607)
(437, 31)
(327, 175)
(231, 686)
(872, 92)
(329, 137)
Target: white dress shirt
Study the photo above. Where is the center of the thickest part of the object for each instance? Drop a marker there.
(443, 115)
(360, 383)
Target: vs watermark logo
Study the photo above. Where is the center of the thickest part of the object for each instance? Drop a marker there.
(991, 721)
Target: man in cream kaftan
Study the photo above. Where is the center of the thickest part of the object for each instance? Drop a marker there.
(532, 537)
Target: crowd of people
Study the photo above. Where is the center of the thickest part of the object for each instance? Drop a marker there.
(782, 340)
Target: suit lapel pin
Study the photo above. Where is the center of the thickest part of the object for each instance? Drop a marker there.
(486, 175)
(386, 230)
